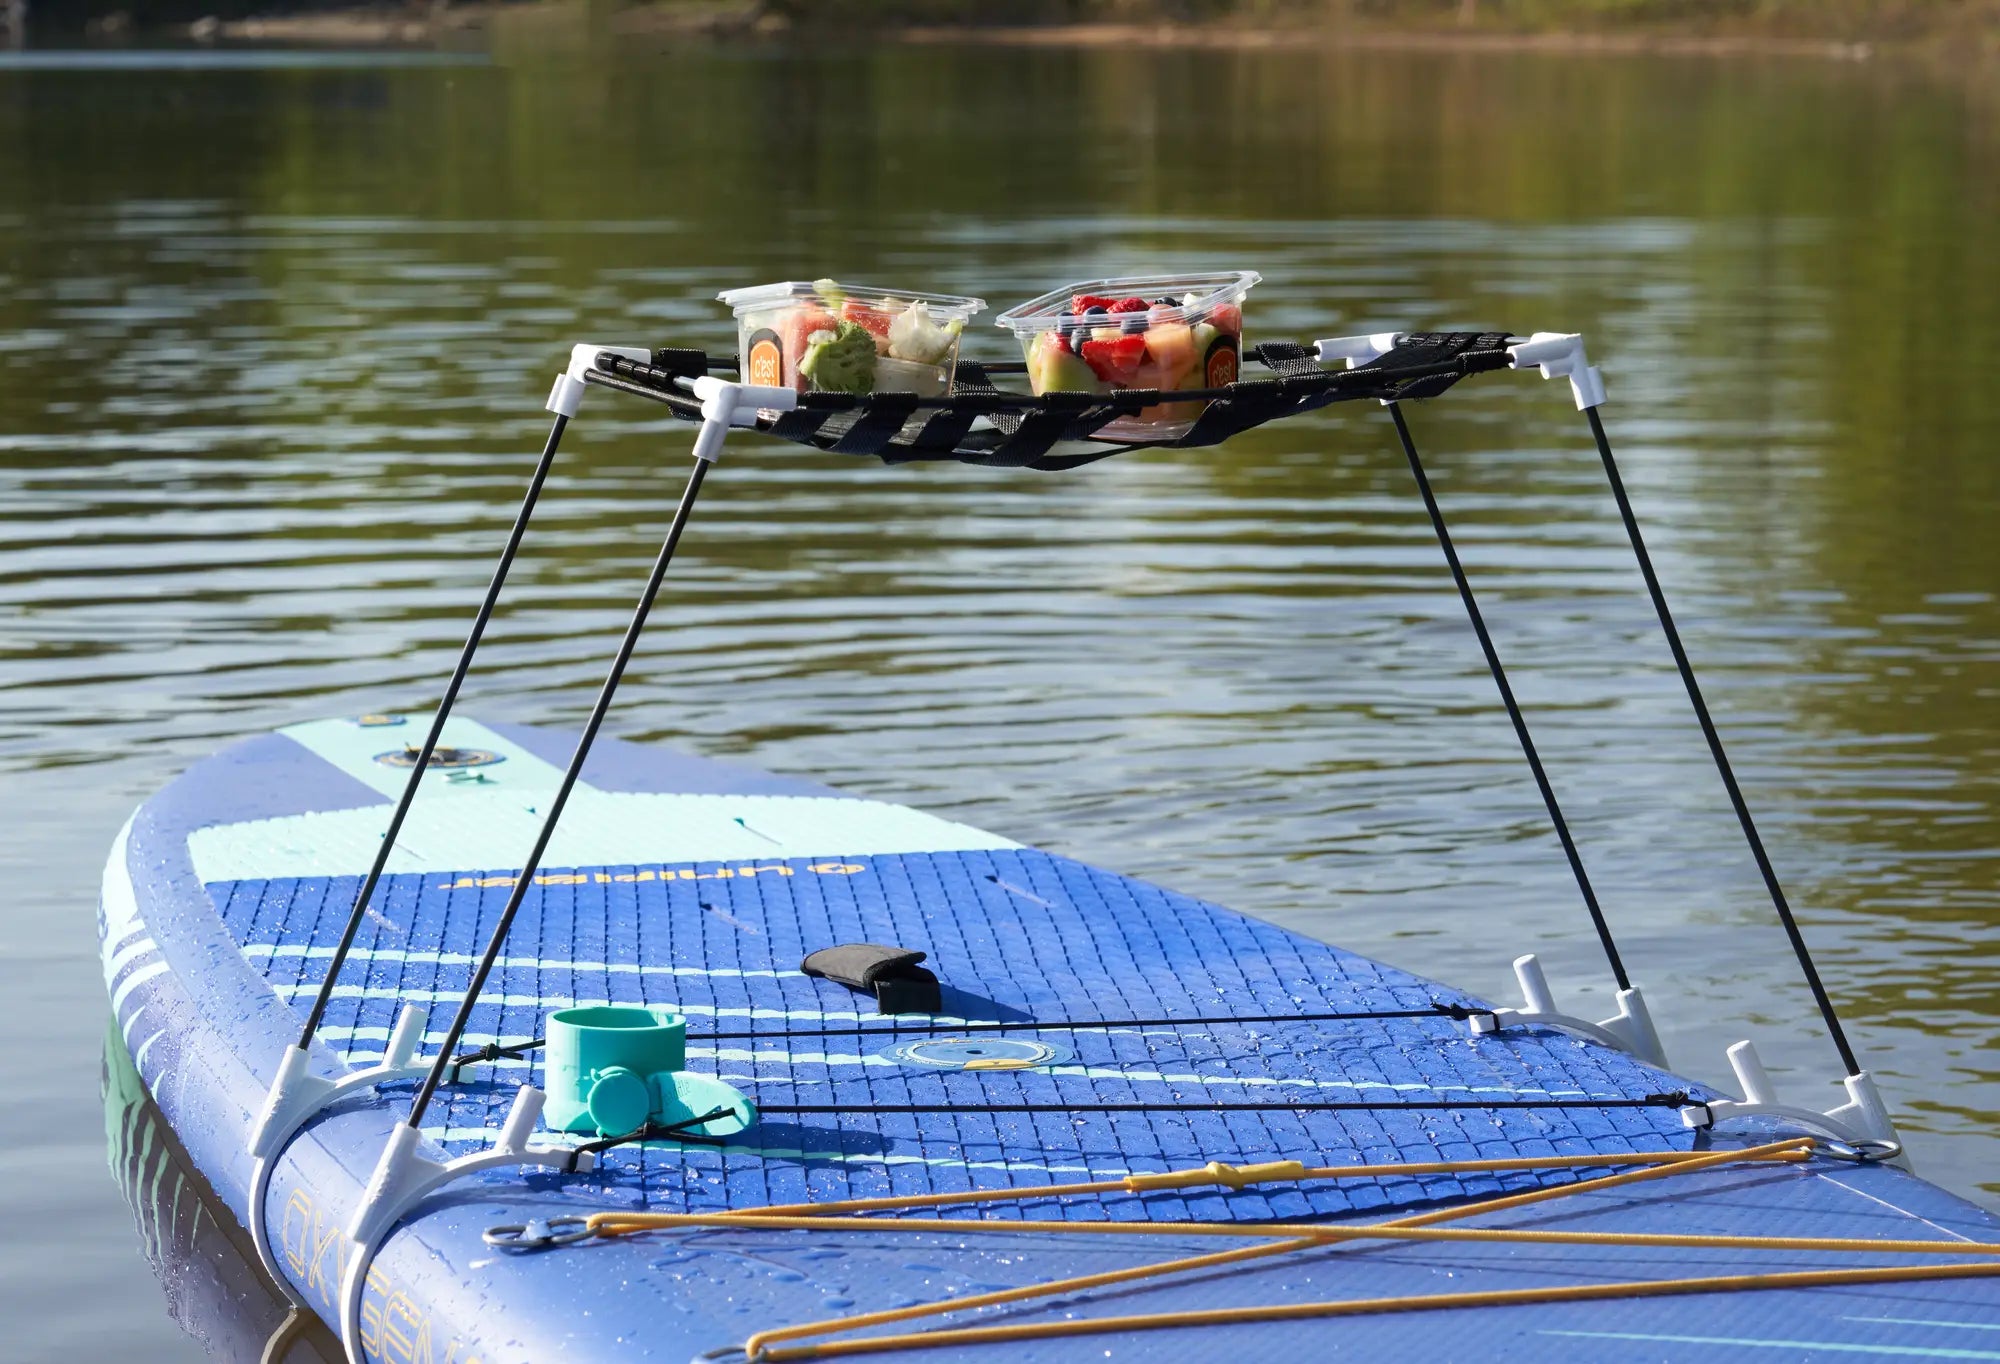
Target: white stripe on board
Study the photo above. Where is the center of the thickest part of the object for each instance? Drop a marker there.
(126, 956)
(117, 900)
(139, 1056)
(133, 981)
(737, 1056)
(369, 992)
(262, 954)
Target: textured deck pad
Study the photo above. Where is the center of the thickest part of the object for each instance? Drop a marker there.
(680, 882)
(1013, 934)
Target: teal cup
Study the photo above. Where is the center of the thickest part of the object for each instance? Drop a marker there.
(600, 1062)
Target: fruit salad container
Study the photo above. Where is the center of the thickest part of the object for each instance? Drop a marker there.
(1165, 332)
(827, 337)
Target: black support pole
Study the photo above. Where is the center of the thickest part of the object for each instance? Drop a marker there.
(1716, 750)
(443, 1061)
(500, 570)
(1507, 699)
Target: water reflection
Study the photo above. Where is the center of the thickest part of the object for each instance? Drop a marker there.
(273, 344)
(216, 1290)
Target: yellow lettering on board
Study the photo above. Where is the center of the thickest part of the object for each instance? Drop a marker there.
(562, 880)
(496, 880)
(295, 1235)
(752, 871)
(633, 876)
(602, 878)
(404, 1336)
(836, 868)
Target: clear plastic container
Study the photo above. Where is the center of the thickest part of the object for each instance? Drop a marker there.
(826, 337)
(1166, 332)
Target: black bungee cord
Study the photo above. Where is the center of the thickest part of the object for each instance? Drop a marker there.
(515, 1051)
(444, 1059)
(317, 1013)
(1716, 750)
(1507, 698)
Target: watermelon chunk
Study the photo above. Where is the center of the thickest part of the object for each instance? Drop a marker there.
(1117, 360)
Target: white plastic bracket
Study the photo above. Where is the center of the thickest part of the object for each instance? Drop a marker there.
(1560, 355)
(725, 403)
(404, 1177)
(1358, 350)
(1630, 1029)
(567, 395)
(1863, 1118)
(296, 1096)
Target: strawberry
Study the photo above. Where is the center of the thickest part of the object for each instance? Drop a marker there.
(868, 315)
(1227, 317)
(1083, 303)
(1115, 361)
(1130, 305)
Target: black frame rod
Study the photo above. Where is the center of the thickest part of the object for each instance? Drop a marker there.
(1716, 750)
(1507, 698)
(317, 1013)
(444, 1059)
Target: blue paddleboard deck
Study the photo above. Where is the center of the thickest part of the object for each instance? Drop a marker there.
(697, 885)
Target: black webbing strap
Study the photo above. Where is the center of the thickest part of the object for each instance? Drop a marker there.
(1475, 352)
(879, 424)
(978, 423)
(1287, 358)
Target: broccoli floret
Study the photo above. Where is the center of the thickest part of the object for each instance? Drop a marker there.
(843, 362)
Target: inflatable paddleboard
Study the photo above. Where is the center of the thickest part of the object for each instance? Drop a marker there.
(699, 887)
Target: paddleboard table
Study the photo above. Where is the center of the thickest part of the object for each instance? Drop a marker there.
(681, 882)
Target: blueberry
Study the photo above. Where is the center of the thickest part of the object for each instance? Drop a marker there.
(1132, 323)
(1096, 310)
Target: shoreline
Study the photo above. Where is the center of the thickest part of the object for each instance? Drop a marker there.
(751, 20)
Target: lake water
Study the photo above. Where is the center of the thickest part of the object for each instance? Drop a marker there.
(275, 336)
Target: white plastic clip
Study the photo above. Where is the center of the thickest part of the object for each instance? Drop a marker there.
(296, 1095)
(1863, 1118)
(404, 1177)
(725, 403)
(1630, 1029)
(1560, 355)
(1358, 350)
(567, 396)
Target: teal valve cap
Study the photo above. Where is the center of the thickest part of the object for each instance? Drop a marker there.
(584, 1045)
(610, 1069)
(619, 1101)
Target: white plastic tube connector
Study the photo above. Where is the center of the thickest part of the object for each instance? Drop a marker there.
(567, 395)
(1358, 350)
(725, 403)
(1560, 355)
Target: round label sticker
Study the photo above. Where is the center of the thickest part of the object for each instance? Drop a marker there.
(1221, 365)
(978, 1053)
(765, 364)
